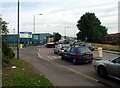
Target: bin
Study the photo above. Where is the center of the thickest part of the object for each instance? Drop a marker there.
(99, 52)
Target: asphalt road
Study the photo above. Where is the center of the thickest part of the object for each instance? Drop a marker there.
(62, 72)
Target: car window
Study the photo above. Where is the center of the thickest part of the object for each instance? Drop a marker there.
(72, 50)
(83, 50)
(65, 45)
(68, 49)
(117, 60)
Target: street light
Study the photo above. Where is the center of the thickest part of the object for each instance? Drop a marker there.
(18, 34)
(34, 21)
(65, 31)
(14, 38)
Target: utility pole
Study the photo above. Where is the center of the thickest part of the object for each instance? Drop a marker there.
(14, 38)
(18, 45)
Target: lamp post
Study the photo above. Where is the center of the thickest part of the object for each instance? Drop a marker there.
(65, 31)
(34, 21)
(14, 38)
(18, 34)
(34, 25)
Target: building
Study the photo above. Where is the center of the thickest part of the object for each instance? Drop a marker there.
(38, 38)
(111, 37)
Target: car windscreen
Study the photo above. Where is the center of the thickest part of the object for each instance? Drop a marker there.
(83, 50)
(65, 45)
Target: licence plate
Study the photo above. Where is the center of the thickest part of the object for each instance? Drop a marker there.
(86, 56)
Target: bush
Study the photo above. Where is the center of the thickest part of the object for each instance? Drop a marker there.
(7, 53)
(115, 43)
(5, 60)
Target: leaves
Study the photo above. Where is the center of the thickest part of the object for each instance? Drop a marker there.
(90, 27)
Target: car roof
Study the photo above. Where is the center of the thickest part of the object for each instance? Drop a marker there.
(77, 46)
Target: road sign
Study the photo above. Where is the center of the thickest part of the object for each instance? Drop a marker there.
(36, 37)
(25, 34)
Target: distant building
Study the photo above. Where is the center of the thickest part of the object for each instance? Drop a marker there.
(111, 37)
(38, 38)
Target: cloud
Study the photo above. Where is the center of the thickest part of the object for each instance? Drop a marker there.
(57, 14)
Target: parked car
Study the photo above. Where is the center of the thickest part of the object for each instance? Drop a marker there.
(88, 46)
(106, 68)
(77, 54)
(50, 45)
(60, 48)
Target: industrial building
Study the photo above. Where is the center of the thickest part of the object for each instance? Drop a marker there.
(38, 38)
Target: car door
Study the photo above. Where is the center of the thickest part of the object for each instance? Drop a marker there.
(72, 53)
(66, 53)
(117, 63)
(113, 68)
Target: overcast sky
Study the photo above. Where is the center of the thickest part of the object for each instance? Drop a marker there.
(58, 14)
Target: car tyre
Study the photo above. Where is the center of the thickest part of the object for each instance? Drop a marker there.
(74, 62)
(102, 71)
(62, 57)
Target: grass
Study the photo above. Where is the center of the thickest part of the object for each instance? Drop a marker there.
(22, 75)
(107, 47)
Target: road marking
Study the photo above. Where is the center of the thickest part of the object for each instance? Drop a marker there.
(79, 73)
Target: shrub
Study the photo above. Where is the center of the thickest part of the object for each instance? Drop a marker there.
(115, 43)
(7, 53)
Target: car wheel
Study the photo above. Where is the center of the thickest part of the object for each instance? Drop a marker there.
(74, 62)
(62, 57)
(54, 51)
(102, 71)
(58, 53)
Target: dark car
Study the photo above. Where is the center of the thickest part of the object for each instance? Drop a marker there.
(88, 46)
(78, 54)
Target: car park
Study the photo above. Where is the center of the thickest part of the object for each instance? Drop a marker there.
(106, 68)
(78, 54)
(60, 48)
(88, 46)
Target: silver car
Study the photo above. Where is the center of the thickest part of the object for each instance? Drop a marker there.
(106, 68)
(60, 48)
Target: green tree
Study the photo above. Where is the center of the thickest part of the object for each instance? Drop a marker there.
(7, 53)
(90, 27)
(57, 36)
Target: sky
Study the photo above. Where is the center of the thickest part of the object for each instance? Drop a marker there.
(58, 15)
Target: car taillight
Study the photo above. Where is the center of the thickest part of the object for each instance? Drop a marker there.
(92, 54)
(62, 48)
(77, 56)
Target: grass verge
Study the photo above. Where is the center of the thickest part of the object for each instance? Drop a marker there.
(107, 47)
(22, 75)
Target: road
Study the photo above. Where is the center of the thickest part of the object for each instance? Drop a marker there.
(62, 72)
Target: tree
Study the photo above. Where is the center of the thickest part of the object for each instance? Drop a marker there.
(57, 36)
(3, 26)
(7, 53)
(90, 27)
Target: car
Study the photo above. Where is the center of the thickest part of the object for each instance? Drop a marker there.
(78, 54)
(106, 68)
(50, 45)
(88, 46)
(60, 48)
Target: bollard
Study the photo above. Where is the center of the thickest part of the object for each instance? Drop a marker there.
(99, 52)
(21, 46)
